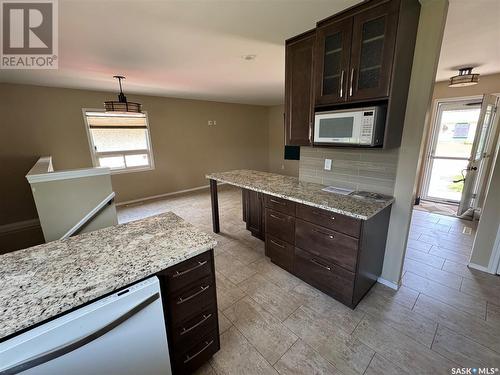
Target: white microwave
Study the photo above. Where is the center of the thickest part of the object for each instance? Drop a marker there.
(351, 127)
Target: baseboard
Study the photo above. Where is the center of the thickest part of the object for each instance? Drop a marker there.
(151, 197)
(478, 267)
(19, 226)
(388, 283)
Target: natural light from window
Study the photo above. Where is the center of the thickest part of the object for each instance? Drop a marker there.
(119, 141)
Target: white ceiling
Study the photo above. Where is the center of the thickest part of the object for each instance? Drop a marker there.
(193, 48)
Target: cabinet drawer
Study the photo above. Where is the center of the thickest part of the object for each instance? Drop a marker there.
(189, 271)
(190, 301)
(188, 361)
(327, 244)
(280, 204)
(188, 332)
(280, 225)
(332, 220)
(280, 252)
(327, 277)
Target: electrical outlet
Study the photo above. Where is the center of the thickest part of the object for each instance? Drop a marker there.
(215, 122)
(210, 122)
(328, 164)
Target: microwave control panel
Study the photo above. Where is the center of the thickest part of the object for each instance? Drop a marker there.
(366, 131)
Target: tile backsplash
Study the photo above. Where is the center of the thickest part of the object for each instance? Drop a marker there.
(372, 170)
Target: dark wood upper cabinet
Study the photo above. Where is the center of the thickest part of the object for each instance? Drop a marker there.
(332, 57)
(373, 37)
(299, 56)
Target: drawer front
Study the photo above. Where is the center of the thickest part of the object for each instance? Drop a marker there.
(327, 244)
(280, 226)
(327, 277)
(280, 204)
(189, 271)
(188, 361)
(190, 301)
(332, 220)
(188, 332)
(280, 252)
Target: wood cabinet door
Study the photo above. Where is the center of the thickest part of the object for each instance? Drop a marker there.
(299, 89)
(332, 55)
(254, 213)
(373, 40)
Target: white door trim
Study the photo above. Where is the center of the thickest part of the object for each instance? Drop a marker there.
(494, 264)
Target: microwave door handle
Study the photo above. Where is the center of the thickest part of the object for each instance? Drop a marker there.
(78, 343)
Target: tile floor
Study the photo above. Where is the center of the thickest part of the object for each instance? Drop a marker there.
(445, 315)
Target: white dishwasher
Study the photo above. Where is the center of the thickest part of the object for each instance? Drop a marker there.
(123, 333)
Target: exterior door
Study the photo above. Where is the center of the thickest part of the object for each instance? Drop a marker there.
(478, 154)
(373, 40)
(333, 49)
(451, 141)
(299, 89)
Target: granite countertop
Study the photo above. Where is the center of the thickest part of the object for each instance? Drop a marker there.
(46, 280)
(307, 193)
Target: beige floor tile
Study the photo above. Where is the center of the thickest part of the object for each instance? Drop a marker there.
(463, 351)
(334, 344)
(206, 369)
(265, 332)
(271, 297)
(420, 256)
(449, 238)
(449, 255)
(243, 253)
(401, 349)
(238, 357)
(476, 329)
(493, 313)
(227, 292)
(404, 296)
(487, 289)
(301, 359)
(469, 304)
(426, 226)
(381, 366)
(464, 271)
(418, 245)
(277, 275)
(224, 323)
(456, 246)
(232, 268)
(397, 316)
(442, 277)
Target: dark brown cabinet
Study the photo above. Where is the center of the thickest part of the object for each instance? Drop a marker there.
(253, 212)
(299, 55)
(361, 57)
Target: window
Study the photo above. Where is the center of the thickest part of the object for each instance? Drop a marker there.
(119, 141)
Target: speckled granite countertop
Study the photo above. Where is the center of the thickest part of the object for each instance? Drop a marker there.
(45, 280)
(307, 193)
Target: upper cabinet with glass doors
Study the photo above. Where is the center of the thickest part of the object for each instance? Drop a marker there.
(355, 53)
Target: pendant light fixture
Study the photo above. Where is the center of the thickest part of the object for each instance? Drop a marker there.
(465, 77)
(122, 105)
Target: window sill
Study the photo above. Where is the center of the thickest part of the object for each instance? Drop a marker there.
(131, 170)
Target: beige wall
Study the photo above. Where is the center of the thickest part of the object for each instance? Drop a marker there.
(276, 133)
(40, 121)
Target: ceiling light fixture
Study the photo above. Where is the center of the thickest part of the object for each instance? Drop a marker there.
(122, 105)
(465, 77)
(248, 57)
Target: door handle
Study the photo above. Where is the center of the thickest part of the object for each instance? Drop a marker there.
(352, 77)
(200, 264)
(207, 345)
(181, 300)
(203, 320)
(320, 264)
(277, 202)
(341, 91)
(324, 233)
(277, 244)
(78, 343)
(276, 217)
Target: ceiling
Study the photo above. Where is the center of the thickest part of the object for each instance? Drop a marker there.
(194, 48)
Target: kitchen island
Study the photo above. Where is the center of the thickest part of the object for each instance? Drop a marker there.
(43, 282)
(335, 242)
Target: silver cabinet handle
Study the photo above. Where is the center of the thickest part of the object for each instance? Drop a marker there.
(78, 343)
(200, 264)
(277, 244)
(181, 300)
(341, 91)
(203, 320)
(352, 77)
(276, 217)
(320, 264)
(207, 345)
(319, 213)
(277, 202)
(324, 233)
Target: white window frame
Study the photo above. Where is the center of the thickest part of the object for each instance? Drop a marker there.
(95, 155)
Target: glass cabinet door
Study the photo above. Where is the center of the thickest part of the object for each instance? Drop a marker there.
(373, 40)
(332, 61)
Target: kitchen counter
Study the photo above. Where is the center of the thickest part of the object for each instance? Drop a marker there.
(307, 193)
(46, 280)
